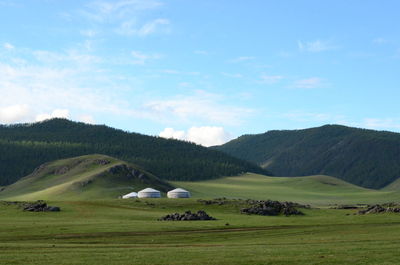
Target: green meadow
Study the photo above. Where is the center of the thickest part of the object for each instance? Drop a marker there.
(127, 232)
(314, 190)
(94, 227)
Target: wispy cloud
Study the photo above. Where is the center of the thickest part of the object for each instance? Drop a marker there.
(90, 33)
(106, 11)
(270, 79)
(242, 59)
(8, 46)
(380, 40)
(142, 58)
(232, 75)
(382, 124)
(201, 106)
(313, 82)
(130, 28)
(316, 46)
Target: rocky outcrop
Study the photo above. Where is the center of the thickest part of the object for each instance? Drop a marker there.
(102, 161)
(273, 208)
(187, 216)
(40, 206)
(374, 209)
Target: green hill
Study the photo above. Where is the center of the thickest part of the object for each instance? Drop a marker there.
(23, 147)
(363, 157)
(84, 177)
(394, 186)
(317, 190)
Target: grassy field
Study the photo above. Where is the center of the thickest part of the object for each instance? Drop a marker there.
(127, 232)
(314, 190)
(93, 228)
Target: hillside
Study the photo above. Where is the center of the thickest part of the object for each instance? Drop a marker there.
(394, 186)
(317, 190)
(23, 147)
(84, 177)
(363, 157)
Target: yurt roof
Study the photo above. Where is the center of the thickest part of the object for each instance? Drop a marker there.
(149, 190)
(130, 194)
(178, 190)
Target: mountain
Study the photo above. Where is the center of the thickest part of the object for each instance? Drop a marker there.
(363, 157)
(84, 177)
(23, 147)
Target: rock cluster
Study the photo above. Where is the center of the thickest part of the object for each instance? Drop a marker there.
(273, 208)
(129, 171)
(381, 209)
(187, 216)
(40, 206)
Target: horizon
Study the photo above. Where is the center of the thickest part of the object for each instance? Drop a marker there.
(205, 72)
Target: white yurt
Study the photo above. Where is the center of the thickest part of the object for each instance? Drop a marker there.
(130, 195)
(178, 193)
(149, 193)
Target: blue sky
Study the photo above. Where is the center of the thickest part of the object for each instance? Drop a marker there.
(204, 71)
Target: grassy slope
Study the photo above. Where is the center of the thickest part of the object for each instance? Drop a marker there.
(394, 186)
(315, 190)
(124, 232)
(84, 179)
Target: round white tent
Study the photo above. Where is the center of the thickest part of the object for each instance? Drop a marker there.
(149, 193)
(178, 193)
(130, 195)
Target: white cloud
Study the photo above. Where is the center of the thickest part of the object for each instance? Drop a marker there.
(242, 59)
(270, 79)
(57, 113)
(14, 114)
(8, 46)
(316, 46)
(204, 135)
(201, 106)
(142, 58)
(313, 82)
(171, 133)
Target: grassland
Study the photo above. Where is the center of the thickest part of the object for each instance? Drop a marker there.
(93, 228)
(314, 190)
(127, 232)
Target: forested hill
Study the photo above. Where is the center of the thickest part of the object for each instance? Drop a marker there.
(23, 147)
(363, 157)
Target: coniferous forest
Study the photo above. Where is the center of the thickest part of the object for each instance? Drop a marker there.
(363, 157)
(23, 147)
